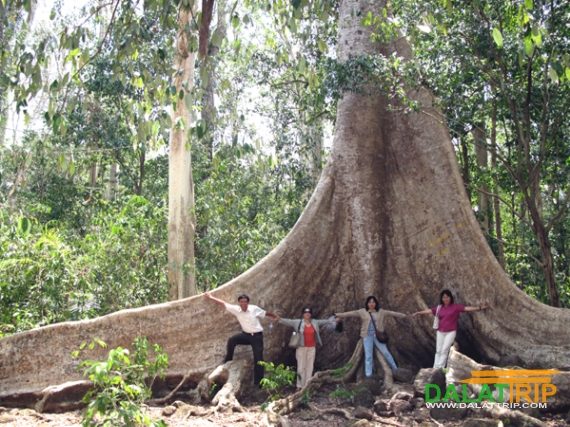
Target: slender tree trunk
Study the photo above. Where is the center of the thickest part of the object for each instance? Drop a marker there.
(208, 69)
(181, 221)
(528, 177)
(545, 250)
(113, 183)
(92, 178)
(496, 189)
(141, 174)
(465, 173)
(18, 180)
(3, 91)
(370, 227)
(482, 163)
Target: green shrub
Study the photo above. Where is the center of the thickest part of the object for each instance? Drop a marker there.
(121, 384)
(276, 379)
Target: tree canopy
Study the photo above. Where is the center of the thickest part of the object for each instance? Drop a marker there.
(79, 240)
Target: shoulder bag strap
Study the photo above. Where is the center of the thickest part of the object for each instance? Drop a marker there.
(373, 322)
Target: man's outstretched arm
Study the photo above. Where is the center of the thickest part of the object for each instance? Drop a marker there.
(214, 299)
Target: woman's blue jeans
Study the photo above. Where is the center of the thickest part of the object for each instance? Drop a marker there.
(369, 343)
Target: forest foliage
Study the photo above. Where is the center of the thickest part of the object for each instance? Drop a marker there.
(84, 173)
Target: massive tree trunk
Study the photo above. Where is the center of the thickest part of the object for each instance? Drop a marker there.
(389, 217)
(181, 220)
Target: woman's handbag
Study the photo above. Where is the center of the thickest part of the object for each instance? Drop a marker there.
(295, 340)
(380, 335)
(436, 318)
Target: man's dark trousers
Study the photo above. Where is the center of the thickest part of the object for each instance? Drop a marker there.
(256, 343)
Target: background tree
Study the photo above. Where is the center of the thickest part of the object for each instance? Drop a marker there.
(511, 74)
(181, 223)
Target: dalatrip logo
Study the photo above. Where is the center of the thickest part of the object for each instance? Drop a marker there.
(514, 388)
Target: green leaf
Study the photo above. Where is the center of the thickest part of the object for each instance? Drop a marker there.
(528, 4)
(235, 21)
(138, 82)
(536, 36)
(553, 75)
(217, 39)
(61, 162)
(528, 46)
(497, 37)
(367, 20)
(24, 225)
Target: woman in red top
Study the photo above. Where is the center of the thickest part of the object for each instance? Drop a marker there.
(447, 313)
(308, 328)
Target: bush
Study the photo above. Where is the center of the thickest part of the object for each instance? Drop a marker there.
(276, 379)
(120, 385)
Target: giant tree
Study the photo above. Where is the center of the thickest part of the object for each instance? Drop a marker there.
(389, 217)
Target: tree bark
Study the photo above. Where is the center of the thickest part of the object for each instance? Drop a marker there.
(113, 183)
(141, 174)
(482, 163)
(181, 219)
(389, 217)
(465, 173)
(209, 66)
(546, 251)
(496, 203)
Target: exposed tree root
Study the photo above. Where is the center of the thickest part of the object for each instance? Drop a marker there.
(514, 417)
(201, 391)
(388, 423)
(231, 375)
(332, 411)
(460, 368)
(63, 397)
(288, 404)
(388, 376)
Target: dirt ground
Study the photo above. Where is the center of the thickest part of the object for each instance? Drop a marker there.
(322, 410)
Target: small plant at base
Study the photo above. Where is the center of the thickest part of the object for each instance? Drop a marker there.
(340, 372)
(276, 379)
(119, 384)
(306, 397)
(214, 388)
(341, 393)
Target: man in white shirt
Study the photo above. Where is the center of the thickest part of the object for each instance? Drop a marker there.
(248, 316)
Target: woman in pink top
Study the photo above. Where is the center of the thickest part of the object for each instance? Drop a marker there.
(448, 315)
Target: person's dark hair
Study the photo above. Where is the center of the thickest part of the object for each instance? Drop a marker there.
(243, 296)
(448, 293)
(307, 310)
(372, 297)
